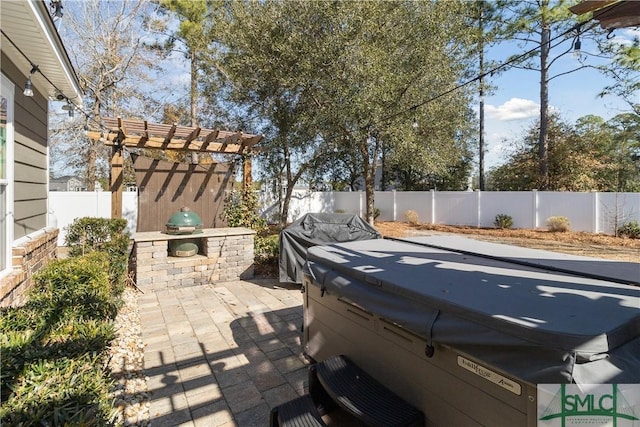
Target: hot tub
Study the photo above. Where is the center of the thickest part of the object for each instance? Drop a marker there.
(465, 338)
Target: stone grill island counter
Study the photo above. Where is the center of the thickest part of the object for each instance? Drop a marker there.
(224, 254)
(465, 338)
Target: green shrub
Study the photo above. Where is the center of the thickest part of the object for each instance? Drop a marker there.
(558, 224)
(61, 391)
(78, 287)
(503, 221)
(64, 337)
(267, 249)
(630, 229)
(107, 235)
(376, 213)
(412, 217)
(241, 209)
(53, 349)
(66, 320)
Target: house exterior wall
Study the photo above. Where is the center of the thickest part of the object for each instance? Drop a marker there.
(30, 156)
(34, 245)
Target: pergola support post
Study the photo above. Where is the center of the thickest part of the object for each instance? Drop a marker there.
(117, 162)
(246, 172)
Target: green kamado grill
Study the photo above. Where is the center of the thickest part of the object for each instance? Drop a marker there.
(184, 222)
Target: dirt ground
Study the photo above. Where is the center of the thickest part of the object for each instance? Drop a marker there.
(571, 242)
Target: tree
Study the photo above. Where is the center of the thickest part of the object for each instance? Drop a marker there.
(625, 153)
(540, 23)
(104, 41)
(488, 21)
(336, 79)
(193, 32)
(624, 71)
(591, 155)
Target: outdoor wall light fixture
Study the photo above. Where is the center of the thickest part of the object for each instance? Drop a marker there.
(28, 85)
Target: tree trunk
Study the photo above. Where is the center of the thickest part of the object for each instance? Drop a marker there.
(285, 207)
(543, 138)
(369, 187)
(481, 112)
(194, 89)
(92, 155)
(369, 161)
(284, 213)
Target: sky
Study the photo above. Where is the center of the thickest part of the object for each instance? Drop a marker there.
(515, 104)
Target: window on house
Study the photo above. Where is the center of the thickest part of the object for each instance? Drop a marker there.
(6, 173)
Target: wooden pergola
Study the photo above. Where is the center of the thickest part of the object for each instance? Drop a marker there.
(119, 133)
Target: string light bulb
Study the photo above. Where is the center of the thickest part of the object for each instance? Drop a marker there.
(28, 88)
(577, 53)
(28, 85)
(68, 107)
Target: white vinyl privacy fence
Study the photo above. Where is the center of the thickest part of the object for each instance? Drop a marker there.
(592, 212)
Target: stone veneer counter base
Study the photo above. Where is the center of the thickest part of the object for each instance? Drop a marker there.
(225, 254)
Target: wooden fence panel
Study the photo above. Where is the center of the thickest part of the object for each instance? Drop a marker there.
(165, 187)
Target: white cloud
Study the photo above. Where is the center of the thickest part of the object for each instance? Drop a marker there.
(513, 109)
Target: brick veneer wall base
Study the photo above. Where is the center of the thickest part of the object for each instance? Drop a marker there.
(29, 254)
(226, 254)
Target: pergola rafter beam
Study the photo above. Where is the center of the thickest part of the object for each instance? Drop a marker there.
(141, 134)
(209, 139)
(169, 136)
(159, 143)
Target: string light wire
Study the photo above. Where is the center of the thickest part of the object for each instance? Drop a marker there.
(58, 91)
(492, 71)
(412, 108)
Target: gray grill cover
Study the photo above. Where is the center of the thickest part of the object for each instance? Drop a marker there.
(539, 326)
(317, 229)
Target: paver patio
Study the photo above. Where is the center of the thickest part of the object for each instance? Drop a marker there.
(222, 354)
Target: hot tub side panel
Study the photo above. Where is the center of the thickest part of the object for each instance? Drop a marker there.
(450, 387)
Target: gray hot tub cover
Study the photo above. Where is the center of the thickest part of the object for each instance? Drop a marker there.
(317, 229)
(539, 326)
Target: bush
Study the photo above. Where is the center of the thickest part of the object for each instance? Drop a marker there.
(267, 249)
(107, 235)
(376, 213)
(503, 221)
(78, 287)
(630, 229)
(412, 217)
(60, 392)
(558, 224)
(241, 209)
(52, 368)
